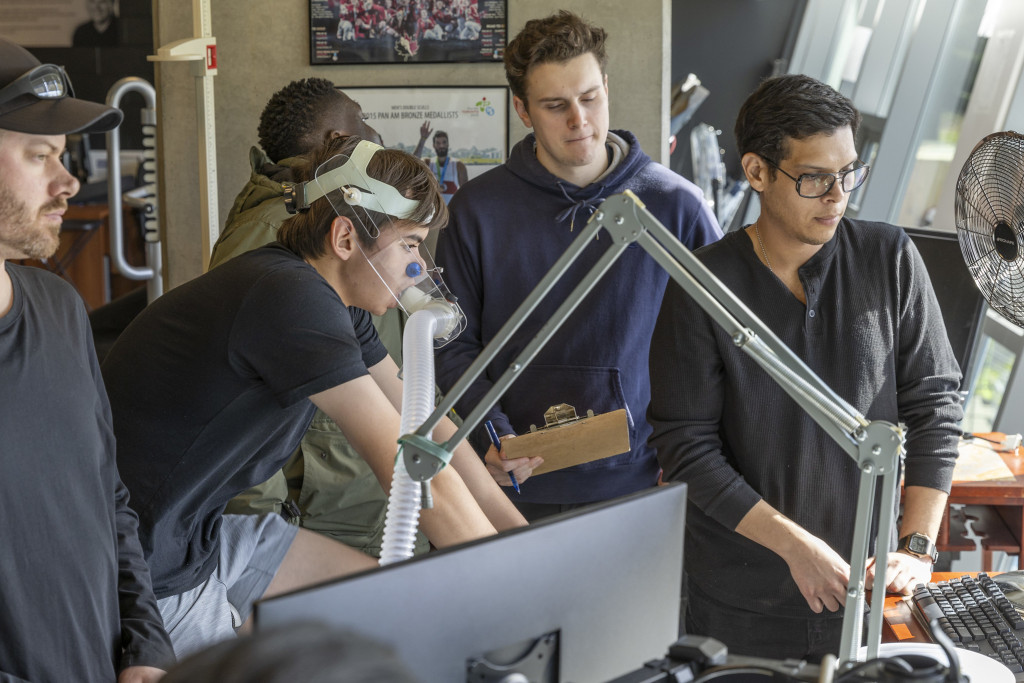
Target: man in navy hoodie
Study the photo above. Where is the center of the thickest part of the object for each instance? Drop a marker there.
(507, 228)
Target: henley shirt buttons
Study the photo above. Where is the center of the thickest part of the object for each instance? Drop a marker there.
(811, 313)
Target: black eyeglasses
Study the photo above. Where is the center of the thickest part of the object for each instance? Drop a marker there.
(46, 82)
(814, 185)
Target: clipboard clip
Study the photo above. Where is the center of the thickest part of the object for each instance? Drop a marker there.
(558, 415)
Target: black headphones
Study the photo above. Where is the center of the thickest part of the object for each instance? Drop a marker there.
(910, 668)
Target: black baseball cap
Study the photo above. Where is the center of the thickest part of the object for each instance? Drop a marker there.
(37, 98)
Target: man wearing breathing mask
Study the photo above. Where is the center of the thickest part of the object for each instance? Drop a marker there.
(214, 384)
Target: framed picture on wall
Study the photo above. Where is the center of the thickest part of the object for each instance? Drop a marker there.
(472, 119)
(406, 31)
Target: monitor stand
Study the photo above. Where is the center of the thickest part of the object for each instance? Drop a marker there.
(536, 659)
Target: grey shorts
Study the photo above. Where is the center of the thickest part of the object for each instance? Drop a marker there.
(252, 548)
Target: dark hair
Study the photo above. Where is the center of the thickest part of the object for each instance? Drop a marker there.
(791, 106)
(557, 38)
(305, 651)
(306, 233)
(439, 133)
(295, 119)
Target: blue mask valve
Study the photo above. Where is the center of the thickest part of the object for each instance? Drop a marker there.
(413, 270)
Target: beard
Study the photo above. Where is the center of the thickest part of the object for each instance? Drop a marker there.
(23, 235)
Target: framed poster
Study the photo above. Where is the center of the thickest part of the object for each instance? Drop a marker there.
(399, 31)
(54, 23)
(472, 119)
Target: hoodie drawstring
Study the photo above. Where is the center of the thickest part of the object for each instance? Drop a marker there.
(577, 204)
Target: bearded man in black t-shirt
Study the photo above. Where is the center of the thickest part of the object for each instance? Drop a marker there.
(76, 602)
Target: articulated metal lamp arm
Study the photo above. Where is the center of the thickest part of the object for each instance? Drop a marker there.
(873, 445)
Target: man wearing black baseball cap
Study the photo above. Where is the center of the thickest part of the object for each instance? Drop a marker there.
(77, 602)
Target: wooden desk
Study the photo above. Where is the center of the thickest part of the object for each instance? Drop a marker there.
(83, 256)
(1003, 518)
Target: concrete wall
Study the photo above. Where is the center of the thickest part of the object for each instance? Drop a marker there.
(264, 44)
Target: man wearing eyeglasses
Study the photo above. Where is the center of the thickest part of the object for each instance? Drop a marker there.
(769, 530)
(76, 601)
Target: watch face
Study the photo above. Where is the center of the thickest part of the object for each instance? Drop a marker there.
(918, 544)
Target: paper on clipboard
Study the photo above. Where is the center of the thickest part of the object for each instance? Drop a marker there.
(572, 443)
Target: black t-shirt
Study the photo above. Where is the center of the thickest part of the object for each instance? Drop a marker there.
(75, 599)
(209, 388)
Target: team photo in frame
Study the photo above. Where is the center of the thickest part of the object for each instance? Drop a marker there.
(401, 31)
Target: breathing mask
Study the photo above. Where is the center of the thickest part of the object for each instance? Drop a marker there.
(405, 268)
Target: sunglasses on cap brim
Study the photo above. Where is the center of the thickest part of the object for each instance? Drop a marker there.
(45, 82)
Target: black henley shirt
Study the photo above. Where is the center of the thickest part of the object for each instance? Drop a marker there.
(871, 329)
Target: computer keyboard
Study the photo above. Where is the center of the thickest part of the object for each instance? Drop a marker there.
(975, 615)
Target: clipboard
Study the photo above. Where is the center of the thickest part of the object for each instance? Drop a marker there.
(572, 441)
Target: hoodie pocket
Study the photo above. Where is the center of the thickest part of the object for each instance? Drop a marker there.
(583, 387)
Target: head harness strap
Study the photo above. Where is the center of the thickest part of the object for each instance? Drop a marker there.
(374, 195)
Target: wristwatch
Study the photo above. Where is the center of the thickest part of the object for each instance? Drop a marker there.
(918, 545)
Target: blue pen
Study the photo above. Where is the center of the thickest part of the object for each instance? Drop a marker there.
(497, 444)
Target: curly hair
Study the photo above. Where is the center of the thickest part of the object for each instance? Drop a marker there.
(790, 107)
(557, 38)
(295, 119)
(306, 233)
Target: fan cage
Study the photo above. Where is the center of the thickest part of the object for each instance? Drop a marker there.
(989, 214)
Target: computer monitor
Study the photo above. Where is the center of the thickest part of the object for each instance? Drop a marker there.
(961, 302)
(585, 596)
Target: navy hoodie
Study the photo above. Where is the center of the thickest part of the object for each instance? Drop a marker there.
(508, 226)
